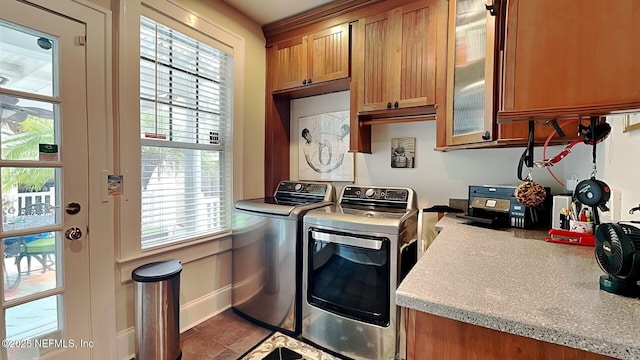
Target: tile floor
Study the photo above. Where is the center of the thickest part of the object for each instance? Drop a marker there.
(224, 336)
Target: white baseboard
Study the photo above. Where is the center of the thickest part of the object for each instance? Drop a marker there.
(204, 308)
(126, 342)
(191, 314)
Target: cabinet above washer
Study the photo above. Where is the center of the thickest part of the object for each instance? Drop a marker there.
(313, 58)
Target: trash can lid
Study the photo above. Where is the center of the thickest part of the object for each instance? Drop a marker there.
(157, 271)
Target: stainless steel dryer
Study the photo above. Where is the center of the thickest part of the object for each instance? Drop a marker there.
(355, 255)
(267, 253)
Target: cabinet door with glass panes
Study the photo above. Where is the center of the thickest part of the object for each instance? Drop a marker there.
(470, 75)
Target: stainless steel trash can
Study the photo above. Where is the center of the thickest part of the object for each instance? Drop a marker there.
(158, 310)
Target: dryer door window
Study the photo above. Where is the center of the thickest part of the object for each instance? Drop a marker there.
(349, 275)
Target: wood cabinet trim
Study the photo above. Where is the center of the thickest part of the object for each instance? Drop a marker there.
(544, 114)
(333, 16)
(314, 89)
(510, 49)
(291, 42)
(326, 12)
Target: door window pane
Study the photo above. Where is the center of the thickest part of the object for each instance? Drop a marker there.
(28, 197)
(26, 124)
(26, 60)
(30, 264)
(35, 320)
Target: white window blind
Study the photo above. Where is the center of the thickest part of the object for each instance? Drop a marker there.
(185, 125)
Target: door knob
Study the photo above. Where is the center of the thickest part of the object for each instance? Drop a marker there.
(73, 233)
(72, 208)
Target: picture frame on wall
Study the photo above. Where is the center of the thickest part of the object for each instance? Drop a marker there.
(323, 147)
(631, 122)
(403, 152)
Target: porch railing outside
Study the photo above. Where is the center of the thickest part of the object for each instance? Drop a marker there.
(15, 204)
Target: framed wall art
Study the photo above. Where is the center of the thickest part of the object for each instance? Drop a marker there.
(631, 122)
(323, 151)
(403, 152)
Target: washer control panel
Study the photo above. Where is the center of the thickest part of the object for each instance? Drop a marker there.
(292, 187)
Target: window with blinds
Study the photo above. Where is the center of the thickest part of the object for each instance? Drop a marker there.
(185, 127)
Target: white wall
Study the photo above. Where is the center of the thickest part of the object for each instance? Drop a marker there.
(437, 176)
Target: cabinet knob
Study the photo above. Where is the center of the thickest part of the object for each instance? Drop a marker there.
(304, 82)
(309, 81)
(486, 136)
(492, 7)
(395, 105)
(388, 105)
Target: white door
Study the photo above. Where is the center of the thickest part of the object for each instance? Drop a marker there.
(44, 186)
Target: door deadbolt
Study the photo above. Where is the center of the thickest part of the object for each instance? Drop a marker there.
(72, 208)
(73, 233)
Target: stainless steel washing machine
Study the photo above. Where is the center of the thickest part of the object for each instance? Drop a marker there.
(267, 254)
(356, 253)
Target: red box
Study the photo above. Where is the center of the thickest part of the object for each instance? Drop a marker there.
(570, 237)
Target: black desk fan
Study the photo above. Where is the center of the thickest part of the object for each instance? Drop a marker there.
(617, 251)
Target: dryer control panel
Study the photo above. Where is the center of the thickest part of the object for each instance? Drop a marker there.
(378, 196)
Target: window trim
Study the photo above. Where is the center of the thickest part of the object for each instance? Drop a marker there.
(128, 156)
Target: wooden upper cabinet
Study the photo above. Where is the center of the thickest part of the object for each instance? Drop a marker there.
(313, 58)
(291, 63)
(561, 55)
(395, 57)
(328, 54)
(470, 73)
(473, 87)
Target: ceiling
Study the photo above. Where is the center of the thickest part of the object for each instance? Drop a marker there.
(266, 12)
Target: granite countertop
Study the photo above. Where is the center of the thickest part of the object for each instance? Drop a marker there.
(513, 281)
